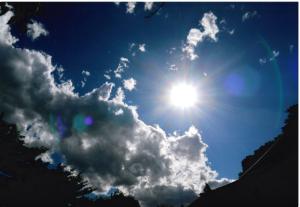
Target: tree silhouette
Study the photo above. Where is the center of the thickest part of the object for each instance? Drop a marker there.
(26, 181)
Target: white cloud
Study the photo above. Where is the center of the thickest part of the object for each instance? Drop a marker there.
(210, 30)
(148, 6)
(224, 27)
(119, 112)
(231, 32)
(248, 15)
(195, 36)
(130, 6)
(134, 48)
(223, 21)
(142, 47)
(120, 96)
(82, 84)
(60, 72)
(219, 183)
(274, 55)
(5, 35)
(209, 24)
(35, 30)
(131, 46)
(262, 61)
(173, 67)
(171, 50)
(190, 51)
(129, 84)
(111, 145)
(107, 76)
(85, 73)
(123, 64)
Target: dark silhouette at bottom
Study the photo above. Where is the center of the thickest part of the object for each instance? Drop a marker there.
(269, 177)
(25, 181)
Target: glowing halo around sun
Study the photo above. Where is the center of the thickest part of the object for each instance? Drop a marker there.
(183, 95)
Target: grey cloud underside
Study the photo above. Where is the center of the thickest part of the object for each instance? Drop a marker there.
(118, 149)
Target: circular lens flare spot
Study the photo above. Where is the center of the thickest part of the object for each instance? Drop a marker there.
(88, 120)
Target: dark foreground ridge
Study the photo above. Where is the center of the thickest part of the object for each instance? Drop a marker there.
(269, 176)
(25, 181)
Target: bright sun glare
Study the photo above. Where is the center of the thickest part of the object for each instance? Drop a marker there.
(183, 95)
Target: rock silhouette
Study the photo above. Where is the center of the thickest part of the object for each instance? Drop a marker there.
(269, 176)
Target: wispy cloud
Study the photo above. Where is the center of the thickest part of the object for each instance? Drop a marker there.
(85, 74)
(148, 6)
(225, 28)
(291, 48)
(130, 7)
(272, 57)
(135, 47)
(248, 15)
(107, 76)
(172, 67)
(123, 64)
(262, 61)
(36, 29)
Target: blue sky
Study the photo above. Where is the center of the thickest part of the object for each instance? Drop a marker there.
(149, 105)
(247, 92)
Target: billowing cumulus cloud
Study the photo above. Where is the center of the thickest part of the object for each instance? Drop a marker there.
(210, 31)
(98, 133)
(129, 84)
(36, 29)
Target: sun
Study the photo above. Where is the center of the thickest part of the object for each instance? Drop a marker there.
(183, 95)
